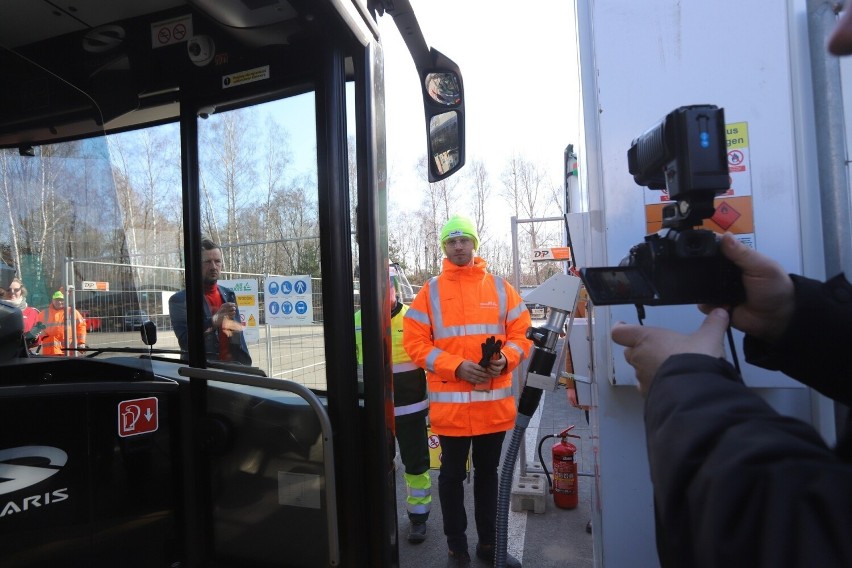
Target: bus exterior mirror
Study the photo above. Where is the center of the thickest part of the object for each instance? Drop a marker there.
(443, 93)
(443, 102)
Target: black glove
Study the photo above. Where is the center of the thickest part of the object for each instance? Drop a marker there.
(490, 348)
(32, 335)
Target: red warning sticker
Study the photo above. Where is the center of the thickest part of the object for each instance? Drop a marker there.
(137, 416)
(725, 215)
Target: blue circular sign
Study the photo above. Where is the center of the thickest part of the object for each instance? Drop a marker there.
(286, 286)
(273, 287)
(273, 308)
(300, 286)
(301, 307)
(287, 308)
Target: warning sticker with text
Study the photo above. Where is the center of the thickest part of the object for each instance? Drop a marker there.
(244, 77)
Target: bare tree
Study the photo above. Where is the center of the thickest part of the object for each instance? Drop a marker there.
(441, 200)
(478, 176)
(525, 190)
(278, 158)
(230, 166)
(8, 191)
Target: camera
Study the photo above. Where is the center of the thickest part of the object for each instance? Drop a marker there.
(201, 49)
(685, 154)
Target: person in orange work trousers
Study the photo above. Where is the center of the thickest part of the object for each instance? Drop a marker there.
(57, 327)
(469, 406)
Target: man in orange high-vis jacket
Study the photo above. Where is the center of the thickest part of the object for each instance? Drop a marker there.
(57, 326)
(469, 405)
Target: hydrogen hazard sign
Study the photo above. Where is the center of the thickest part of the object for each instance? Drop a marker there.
(725, 215)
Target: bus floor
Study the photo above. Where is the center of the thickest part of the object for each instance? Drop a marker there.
(555, 538)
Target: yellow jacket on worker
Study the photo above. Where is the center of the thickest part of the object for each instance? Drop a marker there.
(449, 320)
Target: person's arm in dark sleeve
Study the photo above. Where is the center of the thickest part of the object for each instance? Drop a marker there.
(815, 348)
(736, 483)
(177, 314)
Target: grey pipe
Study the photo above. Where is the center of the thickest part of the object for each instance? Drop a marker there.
(830, 128)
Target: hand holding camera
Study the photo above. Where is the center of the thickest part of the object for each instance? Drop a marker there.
(768, 307)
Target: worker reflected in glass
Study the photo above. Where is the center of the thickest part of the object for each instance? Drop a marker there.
(57, 324)
(223, 331)
(411, 407)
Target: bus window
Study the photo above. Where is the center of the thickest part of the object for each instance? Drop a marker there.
(258, 172)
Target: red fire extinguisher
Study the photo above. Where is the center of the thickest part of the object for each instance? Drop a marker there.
(565, 472)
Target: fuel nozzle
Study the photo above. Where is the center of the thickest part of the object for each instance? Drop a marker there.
(538, 335)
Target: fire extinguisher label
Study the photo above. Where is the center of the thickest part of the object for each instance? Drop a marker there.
(564, 475)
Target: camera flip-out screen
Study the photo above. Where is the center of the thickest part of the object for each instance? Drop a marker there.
(612, 285)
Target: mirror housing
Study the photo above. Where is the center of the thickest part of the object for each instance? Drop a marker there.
(443, 102)
(148, 331)
(443, 93)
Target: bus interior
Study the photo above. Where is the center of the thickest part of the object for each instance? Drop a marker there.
(130, 131)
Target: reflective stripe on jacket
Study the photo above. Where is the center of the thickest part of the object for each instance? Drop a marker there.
(447, 323)
(409, 380)
(56, 328)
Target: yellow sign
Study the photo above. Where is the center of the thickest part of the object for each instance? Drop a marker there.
(435, 451)
(736, 134)
(243, 77)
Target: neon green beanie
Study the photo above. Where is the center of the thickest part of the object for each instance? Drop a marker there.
(459, 226)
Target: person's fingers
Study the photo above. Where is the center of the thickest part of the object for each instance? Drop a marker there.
(712, 331)
(737, 252)
(840, 40)
(626, 335)
(751, 262)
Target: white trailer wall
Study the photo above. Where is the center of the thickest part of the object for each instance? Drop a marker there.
(638, 61)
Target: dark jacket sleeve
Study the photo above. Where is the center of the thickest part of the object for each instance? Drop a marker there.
(736, 483)
(815, 349)
(177, 315)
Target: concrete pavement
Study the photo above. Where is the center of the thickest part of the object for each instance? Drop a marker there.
(555, 538)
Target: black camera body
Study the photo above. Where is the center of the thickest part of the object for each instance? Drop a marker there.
(686, 268)
(686, 154)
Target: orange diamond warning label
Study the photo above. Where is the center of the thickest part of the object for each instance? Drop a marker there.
(725, 215)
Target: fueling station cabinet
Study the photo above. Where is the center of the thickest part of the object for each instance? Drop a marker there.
(90, 464)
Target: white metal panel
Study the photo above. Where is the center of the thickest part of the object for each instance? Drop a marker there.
(638, 61)
(654, 56)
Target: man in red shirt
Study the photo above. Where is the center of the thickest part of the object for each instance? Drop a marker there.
(223, 333)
